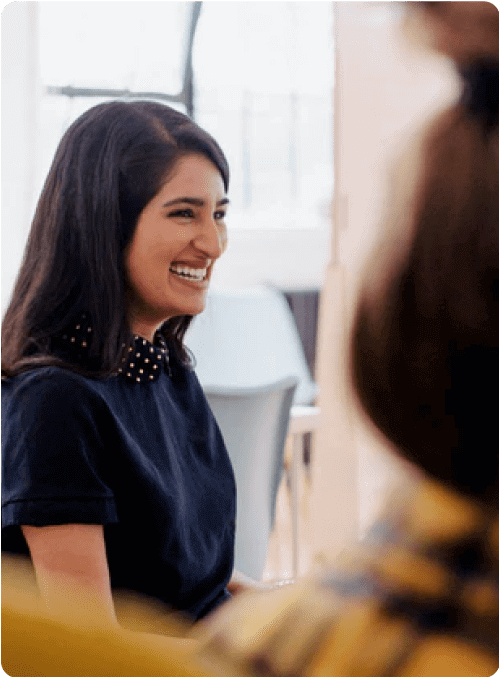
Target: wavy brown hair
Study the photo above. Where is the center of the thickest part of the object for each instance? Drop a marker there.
(110, 163)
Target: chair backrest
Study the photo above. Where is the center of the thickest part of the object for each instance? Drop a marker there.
(247, 337)
(254, 424)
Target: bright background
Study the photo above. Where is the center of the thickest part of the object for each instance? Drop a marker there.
(263, 87)
(311, 101)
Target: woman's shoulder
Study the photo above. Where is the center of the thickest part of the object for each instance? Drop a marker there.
(44, 374)
(57, 384)
(51, 399)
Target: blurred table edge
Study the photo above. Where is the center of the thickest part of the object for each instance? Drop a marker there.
(303, 419)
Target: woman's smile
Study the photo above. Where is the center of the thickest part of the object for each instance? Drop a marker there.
(179, 235)
(188, 273)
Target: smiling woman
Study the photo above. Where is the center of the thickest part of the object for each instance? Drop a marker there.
(179, 236)
(99, 401)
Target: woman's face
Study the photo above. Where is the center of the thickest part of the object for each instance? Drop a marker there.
(179, 235)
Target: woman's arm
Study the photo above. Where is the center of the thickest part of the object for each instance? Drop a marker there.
(73, 576)
(70, 564)
(242, 583)
(37, 642)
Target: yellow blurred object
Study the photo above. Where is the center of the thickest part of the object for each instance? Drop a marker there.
(418, 596)
(439, 515)
(36, 643)
(444, 657)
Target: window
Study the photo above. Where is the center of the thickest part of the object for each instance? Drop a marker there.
(263, 78)
(136, 46)
(263, 86)
(264, 75)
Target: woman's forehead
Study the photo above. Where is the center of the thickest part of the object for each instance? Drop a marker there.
(195, 176)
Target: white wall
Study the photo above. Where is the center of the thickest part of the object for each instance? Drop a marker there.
(385, 91)
(20, 92)
(277, 256)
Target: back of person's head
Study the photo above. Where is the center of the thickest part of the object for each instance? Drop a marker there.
(425, 342)
(109, 164)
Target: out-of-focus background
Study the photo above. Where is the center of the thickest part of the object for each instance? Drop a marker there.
(311, 101)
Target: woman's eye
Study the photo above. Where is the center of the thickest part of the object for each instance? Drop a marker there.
(182, 213)
(219, 216)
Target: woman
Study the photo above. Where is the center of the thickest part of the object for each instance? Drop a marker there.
(420, 596)
(115, 474)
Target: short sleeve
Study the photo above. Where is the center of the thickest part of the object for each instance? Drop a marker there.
(54, 468)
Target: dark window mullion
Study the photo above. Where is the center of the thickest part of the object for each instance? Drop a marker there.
(185, 96)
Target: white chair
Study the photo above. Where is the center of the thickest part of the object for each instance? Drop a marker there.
(247, 337)
(254, 424)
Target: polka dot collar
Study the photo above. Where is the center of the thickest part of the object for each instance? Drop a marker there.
(142, 361)
(145, 360)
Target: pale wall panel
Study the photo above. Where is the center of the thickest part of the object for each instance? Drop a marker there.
(385, 91)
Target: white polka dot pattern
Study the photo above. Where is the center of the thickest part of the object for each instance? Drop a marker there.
(141, 361)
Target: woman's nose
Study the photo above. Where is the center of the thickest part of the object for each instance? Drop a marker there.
(211, 238)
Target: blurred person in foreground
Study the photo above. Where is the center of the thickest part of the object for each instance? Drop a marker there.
(420, 595)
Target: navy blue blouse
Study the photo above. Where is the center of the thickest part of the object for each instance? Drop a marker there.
(140, 453)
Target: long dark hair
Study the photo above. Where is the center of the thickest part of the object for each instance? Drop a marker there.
(110, 163)
(425, 344)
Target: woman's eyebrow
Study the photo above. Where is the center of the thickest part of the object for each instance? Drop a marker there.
(196, 201)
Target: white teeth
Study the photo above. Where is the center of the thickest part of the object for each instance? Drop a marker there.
(192, 273)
